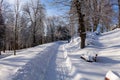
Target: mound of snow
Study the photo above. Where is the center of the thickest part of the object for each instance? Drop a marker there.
(92, 35)
(90, 56)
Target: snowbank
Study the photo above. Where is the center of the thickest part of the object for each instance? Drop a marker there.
(107, 46)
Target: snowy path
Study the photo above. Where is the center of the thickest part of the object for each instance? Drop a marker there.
(28, 64)
(51, 64)
(37, 68)
(44, 62)
(58, 69)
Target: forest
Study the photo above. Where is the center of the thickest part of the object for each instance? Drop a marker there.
(27, 25)
(59, 39)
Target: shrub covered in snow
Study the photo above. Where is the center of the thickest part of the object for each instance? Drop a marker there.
(89, 56)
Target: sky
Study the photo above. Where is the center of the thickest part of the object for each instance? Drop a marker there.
(11, 1)
(51, 10)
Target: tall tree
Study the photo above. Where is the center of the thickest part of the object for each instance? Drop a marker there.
(35, 12)
(16, 7)
(2, 29)
(98, 12)
(9, 19)
(51, 27)
(81, 26)
(119, 13)
(77, 13)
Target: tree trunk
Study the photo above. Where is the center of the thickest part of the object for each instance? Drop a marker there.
(95, 26)
(2, 28)
(81, 28)
(119, 12)
(15, 38)
(34, 33)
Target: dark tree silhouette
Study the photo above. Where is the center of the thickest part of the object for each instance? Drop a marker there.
(81, 26)
(119, 12)
(2, 29)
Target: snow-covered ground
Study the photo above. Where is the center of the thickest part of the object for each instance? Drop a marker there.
(28, 64)
(107, 46)
(61, 60)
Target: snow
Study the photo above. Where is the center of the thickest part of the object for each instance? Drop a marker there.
(37, 67)
(90, 57)
(24, 61)
(61, 60)
(106, 45)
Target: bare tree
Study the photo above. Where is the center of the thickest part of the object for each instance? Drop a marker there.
(52, 24)
(9, 19)
(81, 26)
(98, 12)
(76, 10)
(16, 7)
(119, 12)
(2, 29)
(35, 11)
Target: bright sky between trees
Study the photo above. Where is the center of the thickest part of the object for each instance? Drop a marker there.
(49, 8)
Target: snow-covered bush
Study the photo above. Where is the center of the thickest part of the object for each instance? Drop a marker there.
(89, 56)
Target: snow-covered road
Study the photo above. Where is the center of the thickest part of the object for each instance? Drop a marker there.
(50, 64)
(42, 66)
(29, 64)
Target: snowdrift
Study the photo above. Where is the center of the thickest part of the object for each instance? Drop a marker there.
(107, 46)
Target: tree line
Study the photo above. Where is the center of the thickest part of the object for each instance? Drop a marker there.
(26, 25)
(90, 15)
